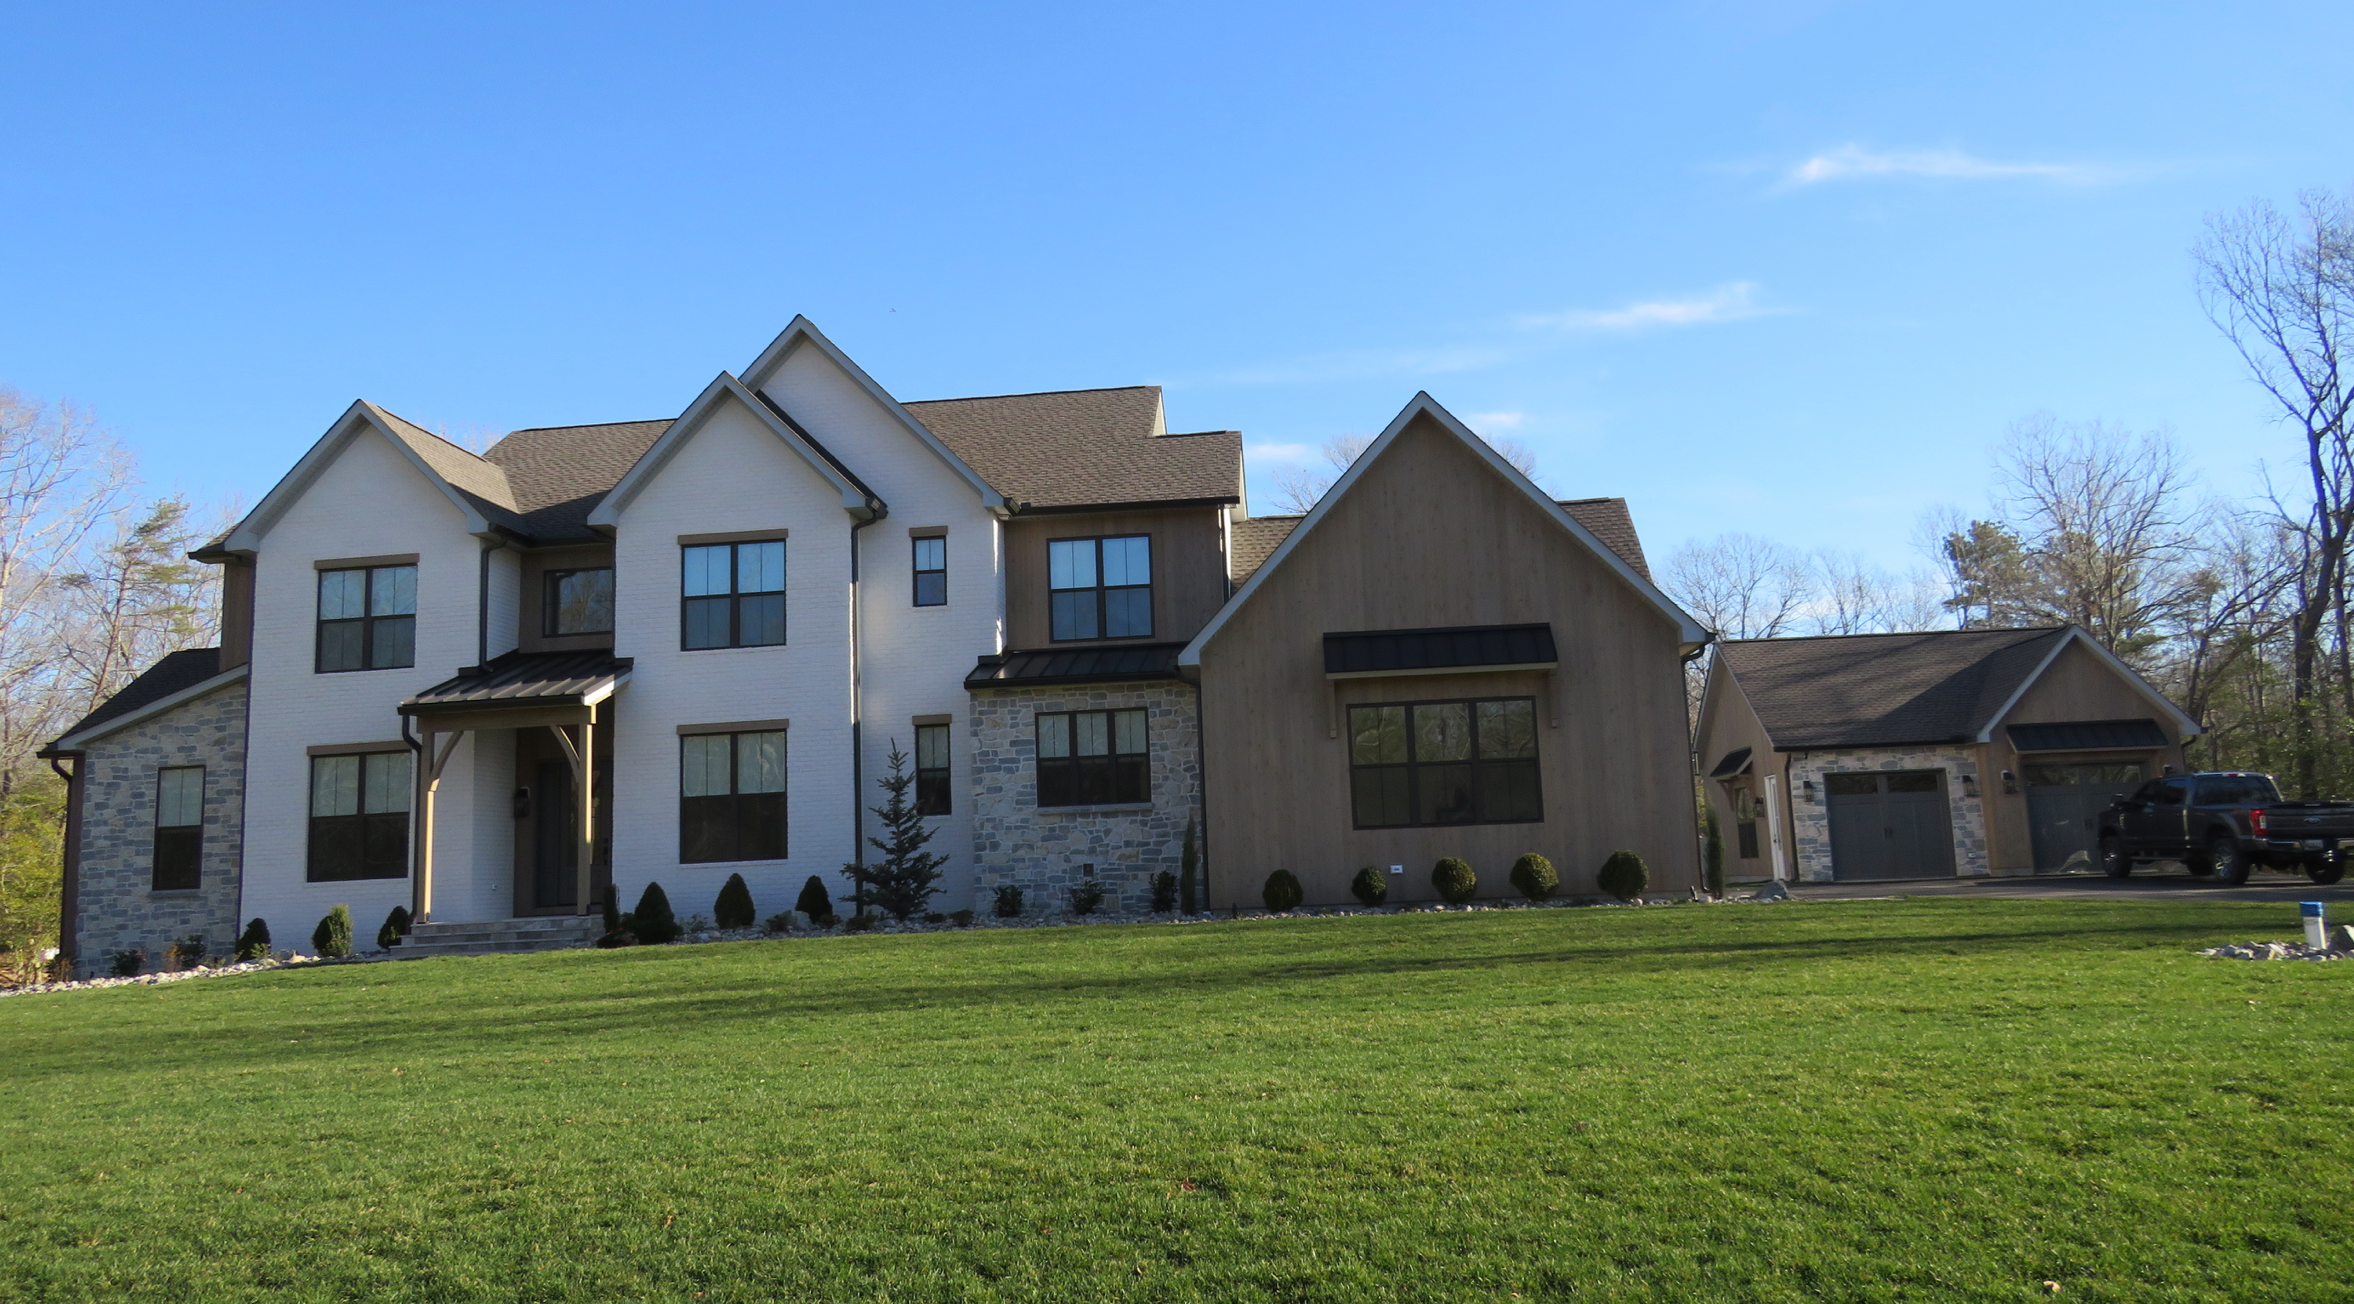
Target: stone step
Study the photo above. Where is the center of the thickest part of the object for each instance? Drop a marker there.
(499, 936)
(408, 952)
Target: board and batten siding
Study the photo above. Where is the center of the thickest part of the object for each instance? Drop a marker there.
(1188, 568)
(2077, 685)
(1728, 723)
(1431, 536)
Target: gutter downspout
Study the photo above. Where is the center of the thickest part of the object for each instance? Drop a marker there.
(1699, 781)
(69, 894)
(877, 511)
(481, 608)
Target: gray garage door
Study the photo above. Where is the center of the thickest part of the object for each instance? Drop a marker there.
(1889, 824)
(2064, 805)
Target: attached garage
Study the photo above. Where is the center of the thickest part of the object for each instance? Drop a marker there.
(1889, 825)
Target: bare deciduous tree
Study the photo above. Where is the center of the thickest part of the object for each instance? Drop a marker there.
(1740, 586)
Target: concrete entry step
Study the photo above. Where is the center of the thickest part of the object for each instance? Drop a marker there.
(499, 936)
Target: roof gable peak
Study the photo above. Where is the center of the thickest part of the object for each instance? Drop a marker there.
(724, 388)
(477, 488)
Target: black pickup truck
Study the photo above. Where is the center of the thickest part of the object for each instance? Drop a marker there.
(2225, 825)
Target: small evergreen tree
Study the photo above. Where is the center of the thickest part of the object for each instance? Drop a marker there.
(1624, 875)
(1712, 851)
(1534, 876)
(396, 927)
(189, 952)
(1282, 891)
(1164, 892)
(652, 922)
(254, 942)
(1188, 871)
(612, 908)
(1008, 904)
(1086, 897)
(332, 938)
(1370, 886)
(909, 876)
(734, 909)
(127, 964)
(1454, 880)
(814, 902)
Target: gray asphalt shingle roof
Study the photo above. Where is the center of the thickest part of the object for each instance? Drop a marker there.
(177, 671)
(1879, 690)
(1085, 448)
(560, 473)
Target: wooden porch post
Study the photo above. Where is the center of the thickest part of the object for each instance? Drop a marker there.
(588, 809)
(435, 760)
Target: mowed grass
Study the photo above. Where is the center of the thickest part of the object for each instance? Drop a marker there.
(1859, 1100)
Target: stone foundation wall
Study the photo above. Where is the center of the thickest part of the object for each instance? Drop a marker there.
(1811, 819)
(1047, 852)
(119, 910)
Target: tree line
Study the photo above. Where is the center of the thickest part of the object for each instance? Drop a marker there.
(95, 586)
(2236, 609)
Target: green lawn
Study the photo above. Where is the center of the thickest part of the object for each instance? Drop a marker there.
(1860, 1100)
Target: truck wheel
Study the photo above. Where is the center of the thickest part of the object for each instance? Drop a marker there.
(2116, 861)
(2229, 861)
(2324, 872)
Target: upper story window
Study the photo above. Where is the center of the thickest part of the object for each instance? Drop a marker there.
(931, 769)
(731, 796)
(734, 595)
(931, 572)
(1100, 588)
(367, 618)
(359, 817)
(1444, 763)
(179, 828)
(1090, 758)
(578, 602)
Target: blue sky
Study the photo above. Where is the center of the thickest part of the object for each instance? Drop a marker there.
(1783, 268)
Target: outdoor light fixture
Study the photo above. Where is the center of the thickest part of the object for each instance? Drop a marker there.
(1810, 790)
(2010, 784)
(1969, 785)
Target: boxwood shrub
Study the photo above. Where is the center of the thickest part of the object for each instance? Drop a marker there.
(1370, 886)
(332, 937)
(734, 907)
(1534, 876)
(254, 942)
(1454, 880)
(1624, 875)
(1282, 892)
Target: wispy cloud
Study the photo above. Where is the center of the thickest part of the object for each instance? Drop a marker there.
(1497, 420)
(1730, 302)
(1850, 162)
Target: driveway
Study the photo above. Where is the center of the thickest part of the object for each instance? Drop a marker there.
(2168, 882)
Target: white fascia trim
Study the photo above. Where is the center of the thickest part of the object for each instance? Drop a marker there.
(1423, 404)
(604, 690)
(360, 417)
(2189, 727)
(801, 331)
(77, 741)
(608, 513)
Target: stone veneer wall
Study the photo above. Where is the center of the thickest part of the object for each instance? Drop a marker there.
(118, 910)
(1044, 851)
(1812, 819)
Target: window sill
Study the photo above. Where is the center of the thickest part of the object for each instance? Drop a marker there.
(1105, 809)
(748, 647)
(174, 893)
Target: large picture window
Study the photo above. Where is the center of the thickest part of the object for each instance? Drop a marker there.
(367, 618)
(734, 595)
(179, 829)
(731, 796)
(1092, 758)
(578, 602)
(359, 817)
(1100, 588)
(931, 769)
(1424, 763)
(931, 572)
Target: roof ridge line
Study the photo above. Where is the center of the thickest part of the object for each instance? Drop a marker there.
(1897, 633)
(589, 425)
(1032, 393)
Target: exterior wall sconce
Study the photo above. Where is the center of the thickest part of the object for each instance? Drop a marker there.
(2010, 784)
(1970, 786)
(1810, 792)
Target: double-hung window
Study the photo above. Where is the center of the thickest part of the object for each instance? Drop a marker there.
(179, 829)
(359, 817)
(931, 571)
(367, 618)
(1100, 588)
(731, 803)
(931, 769)
(578, 602)
(735, 595)
(1092, 758)
(1422, 763)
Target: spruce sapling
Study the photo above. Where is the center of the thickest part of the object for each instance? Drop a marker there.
(908, 876)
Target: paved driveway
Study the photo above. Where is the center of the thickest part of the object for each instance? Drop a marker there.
(2149, 883)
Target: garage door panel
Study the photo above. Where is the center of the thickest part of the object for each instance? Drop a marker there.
(1889, 825)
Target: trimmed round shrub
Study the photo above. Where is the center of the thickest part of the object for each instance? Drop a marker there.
(734, 908)
(813, 901)
(1282, 891)
(1454, 880)
(1624, 875)
(652, 921)
(1370, 886)
(396, 927)
(332, 937)
(1534, 876)
(254, 942)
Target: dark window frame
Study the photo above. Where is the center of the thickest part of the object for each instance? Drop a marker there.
(1477, 766)
(176, 863)
(369, 623)
(1102, 592)
(551, 605)
(937, 595)
(725, 822)
(735, 596)
(1110, 778)
(931, 781)
(372, 844)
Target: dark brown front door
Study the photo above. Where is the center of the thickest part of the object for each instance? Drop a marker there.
(555, 841)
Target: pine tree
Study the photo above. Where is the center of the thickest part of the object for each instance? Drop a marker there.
(734, 909)
(908, 876)
(814, 902)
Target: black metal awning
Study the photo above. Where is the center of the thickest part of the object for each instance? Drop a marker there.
(519, 680)
(2089, 736)
(1736, 763)
(1078, 665)
(1374, 652)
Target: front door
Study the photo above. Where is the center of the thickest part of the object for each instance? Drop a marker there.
(2064, 805)
(1889, 825)
(555, 841)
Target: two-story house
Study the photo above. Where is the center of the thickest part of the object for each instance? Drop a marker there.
(498, 686)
